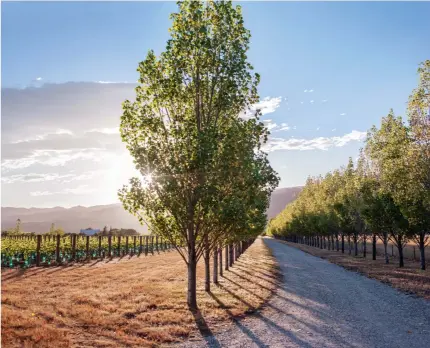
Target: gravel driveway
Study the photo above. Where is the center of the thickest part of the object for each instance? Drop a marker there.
(323, 305)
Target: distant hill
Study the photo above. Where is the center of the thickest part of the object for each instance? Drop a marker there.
(280, 198)
(70, 219)
(73, 219)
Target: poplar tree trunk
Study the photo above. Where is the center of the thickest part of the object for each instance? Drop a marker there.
(355, 244)
(364, 246)
(374, 247)
(401, 260)
(422, 251)
(343, 244)
(400, 248)
(220, 261)
(192, 281)
(230, 250)
(385, 241)
(349, 244)
(215, 269)
(226, 258)
(207, 266)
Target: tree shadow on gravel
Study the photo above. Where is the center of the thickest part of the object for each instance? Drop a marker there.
(204, 329)
(264, 319)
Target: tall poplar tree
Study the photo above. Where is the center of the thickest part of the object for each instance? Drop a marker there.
(191, 147)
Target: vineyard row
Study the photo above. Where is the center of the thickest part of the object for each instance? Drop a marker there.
(27, 251)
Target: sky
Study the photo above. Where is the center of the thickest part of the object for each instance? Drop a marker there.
(329, 71)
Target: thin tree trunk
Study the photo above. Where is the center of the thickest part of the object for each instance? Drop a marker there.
(207, 266)
(355, 244)
(422, 252)
(374, 247)
(401, 260)
(226, 257)
(230, 250)
(220, 261)
(364, 245)
(385, 241)
(343, 244)
(215, 270)
(349, 244)
(337, 242)
(192, 281)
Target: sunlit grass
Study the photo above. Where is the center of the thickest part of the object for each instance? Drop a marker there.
(137, 301)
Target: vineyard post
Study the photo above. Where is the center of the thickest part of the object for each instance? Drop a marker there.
(87, 248)
(57, 249)
(161, 244)
(165, 245)
(156, 243)
(119, 246)
(39, 240)
(134, 244)
(100, 246)
(146, 245)
(74, 247)
(126, 245)
(152, 245)
(110, 246)
(140, 244)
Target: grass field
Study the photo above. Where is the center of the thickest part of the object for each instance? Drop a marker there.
(136, 301)
(409, 279)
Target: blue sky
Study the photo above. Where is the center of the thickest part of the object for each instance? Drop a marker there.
(359, 59)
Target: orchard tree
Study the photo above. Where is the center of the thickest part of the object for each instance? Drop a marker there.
(184, 131)
(417, 195)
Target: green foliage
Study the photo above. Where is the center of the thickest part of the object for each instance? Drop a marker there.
(387, 193)
(204, 175)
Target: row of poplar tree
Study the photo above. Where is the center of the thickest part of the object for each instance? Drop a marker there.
(205, 182)
(385, 195)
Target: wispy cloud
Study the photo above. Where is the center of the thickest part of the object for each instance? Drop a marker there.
(43, 136)
(306, 91)
(53, 158)
(343, 114)
(114, 130)
(38, 177)
(311, 101)
(267, 105)
(108, 82)
(38, 79)
(80, 190)
(320, 143)
(318, 128)
(334, 129)
(324, 100)
(301, 102)
(311, 90)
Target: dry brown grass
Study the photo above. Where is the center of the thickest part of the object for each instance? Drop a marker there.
(409, 279)
(134, 302)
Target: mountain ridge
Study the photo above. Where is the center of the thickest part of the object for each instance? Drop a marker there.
(72, 219)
